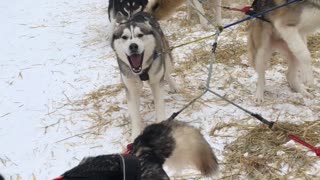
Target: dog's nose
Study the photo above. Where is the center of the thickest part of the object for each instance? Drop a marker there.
(133, 47)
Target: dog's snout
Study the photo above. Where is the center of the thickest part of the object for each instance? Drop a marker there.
(134, 47)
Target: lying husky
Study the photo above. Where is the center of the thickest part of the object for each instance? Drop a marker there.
(143, 55)
(159, 8)
(158, 143)
(287, 33)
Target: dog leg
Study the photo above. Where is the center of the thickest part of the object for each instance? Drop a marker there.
(133, 92)
(292, 74)
(261, 63)
(217, 10)
(306, 72)
(297, 45)
(198, 5)
(157, 91)
(172, 84)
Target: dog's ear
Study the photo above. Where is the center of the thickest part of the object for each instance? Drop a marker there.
(144, 2)
(120, 18)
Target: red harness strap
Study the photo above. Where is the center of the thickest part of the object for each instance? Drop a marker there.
(58, 178)
(244, 9)
(300, 141)
(128, 151)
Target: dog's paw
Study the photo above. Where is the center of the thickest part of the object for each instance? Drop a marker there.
(174, 89)
(259, 97)
(305, 93)
(307, 77)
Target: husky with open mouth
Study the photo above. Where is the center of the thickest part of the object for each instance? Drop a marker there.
(143, 55)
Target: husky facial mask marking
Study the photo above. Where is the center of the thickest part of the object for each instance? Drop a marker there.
(136, 43)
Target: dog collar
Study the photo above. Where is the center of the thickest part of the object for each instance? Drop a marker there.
(144, 76)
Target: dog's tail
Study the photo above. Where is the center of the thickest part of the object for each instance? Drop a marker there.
(192, 150)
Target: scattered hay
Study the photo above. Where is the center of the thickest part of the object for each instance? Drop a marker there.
(314, 45)
(261, 154)
(99, 95)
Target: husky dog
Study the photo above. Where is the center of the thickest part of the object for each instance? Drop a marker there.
(287, 33)
(158, 143)
(159, 8)
(143, 55)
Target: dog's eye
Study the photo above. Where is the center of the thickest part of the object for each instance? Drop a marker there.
(140, 35)
(124, 37)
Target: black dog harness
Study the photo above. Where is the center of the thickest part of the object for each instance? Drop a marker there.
(129, 166)
(144, 76)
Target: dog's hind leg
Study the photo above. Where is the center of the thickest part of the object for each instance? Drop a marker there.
(172, 84)
(298, 46)
(133, 91)
(217, 10)
(157, 91)
(292, 74)
(199, 7)
(168, 77)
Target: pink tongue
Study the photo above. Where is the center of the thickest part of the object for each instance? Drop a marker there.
(135, 60)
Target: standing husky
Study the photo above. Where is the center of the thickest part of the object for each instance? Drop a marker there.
(159, 8)
(143, 55)
(287, 33)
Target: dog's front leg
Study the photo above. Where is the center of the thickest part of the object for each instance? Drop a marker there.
(157, 91)
(133, 92)
(261, 63)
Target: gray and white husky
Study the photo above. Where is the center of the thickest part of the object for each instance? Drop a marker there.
(287, 33)
(143, 55)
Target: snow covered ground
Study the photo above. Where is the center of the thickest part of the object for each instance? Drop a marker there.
(61, 98)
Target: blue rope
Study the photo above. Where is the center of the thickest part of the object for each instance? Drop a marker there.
(261, 13)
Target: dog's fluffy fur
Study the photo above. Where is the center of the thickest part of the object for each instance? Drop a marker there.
(141, 48)
(169, 140)
(287, 33)
(161, 9)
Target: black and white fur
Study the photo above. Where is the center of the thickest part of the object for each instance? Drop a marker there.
(160, 9)
(287, 33)
(124, 8)
(153, 147)
(141, 48)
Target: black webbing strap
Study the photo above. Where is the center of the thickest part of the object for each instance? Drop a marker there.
(130, 166)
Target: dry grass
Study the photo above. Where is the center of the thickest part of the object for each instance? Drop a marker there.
(314, 45)
(266, 155)
(260, 153)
